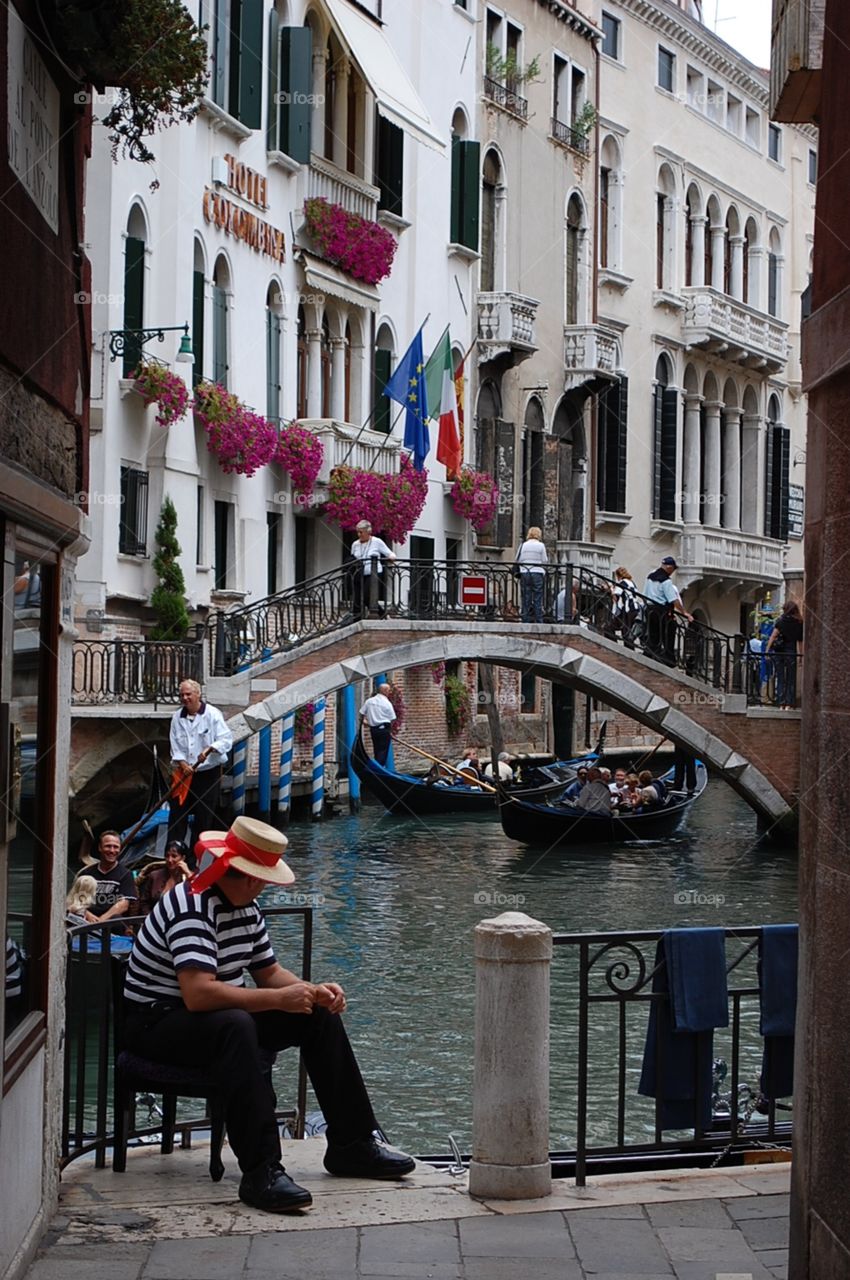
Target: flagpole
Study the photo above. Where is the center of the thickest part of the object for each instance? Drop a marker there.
(375, 410)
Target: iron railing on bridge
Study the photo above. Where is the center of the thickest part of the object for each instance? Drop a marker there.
(613, 975)
(773, 679)
(88, 1122)
(471, 591)
(117, 671)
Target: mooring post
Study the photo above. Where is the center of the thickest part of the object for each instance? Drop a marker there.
(510, 1101)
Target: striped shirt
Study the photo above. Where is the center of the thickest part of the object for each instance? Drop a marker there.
(195, 931)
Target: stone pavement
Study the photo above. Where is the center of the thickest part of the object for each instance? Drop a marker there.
(164, 1220)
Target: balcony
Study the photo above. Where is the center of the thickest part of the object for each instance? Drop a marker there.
(731, 329)
(327, 181)
(506, 326)
(114, 672)
(506, 98)
(575, 139)
(591, 353)
(595, 557)
(721, 557)
(347, 445)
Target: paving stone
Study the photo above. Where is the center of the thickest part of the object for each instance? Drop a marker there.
(690, 1213)
(617, 1245)
(411, 1249)
(532, 1269)
(65, 1268)
(210, 1258)
(772, 1257)
(719, 1271)
(701, 1244)
(778, 1206)
(322, 1255)
(614, 1211)
(765, 1233)
(544, 1236)
(781, 1273)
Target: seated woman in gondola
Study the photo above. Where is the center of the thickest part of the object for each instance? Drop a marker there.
(159, 877)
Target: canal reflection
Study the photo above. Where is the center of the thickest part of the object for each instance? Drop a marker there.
(396, 904)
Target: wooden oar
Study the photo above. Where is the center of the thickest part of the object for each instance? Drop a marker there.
(644, 760)
(473, 782)
(175, 783)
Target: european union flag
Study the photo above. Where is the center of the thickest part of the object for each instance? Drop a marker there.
(407, 387)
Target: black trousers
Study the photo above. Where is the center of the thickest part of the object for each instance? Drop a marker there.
(660, 642)
(226, 1043)
(685, 771)
(363, 598)
(381, 737)
(201, 803)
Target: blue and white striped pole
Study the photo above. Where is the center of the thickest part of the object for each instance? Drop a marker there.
(240, 764)
(264, 773)
(318, 796)
(284, 782)
(349, 729)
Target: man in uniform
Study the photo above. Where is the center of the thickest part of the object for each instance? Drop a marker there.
(200, 744)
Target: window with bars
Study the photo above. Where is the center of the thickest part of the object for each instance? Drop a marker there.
(133, 518)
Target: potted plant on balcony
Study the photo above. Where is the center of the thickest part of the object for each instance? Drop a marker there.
(363, 249)
(392, 504)
(241, 440)
(402, 500)
(157, 385)
(168, 598)
(150, 51)
(301, 455)
(475, 496)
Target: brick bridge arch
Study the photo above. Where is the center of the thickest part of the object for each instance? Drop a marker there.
(759, 757)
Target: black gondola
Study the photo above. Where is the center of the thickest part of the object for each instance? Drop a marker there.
(403, 793)
(555, 823)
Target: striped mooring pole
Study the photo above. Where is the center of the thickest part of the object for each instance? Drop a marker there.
(284, 782)
(264, 773)
(318, 795)
(240, 764)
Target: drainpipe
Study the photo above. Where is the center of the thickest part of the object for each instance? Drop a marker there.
(594, 414)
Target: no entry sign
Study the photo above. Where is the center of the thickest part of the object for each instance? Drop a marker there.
(473, 589)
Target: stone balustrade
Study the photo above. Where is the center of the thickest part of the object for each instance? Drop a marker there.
(590, 351)
(337, 186)
(716, 322)
(506, 325)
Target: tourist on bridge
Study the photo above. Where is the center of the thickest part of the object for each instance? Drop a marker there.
(188, 1006)
(200, 745)
(379, 714)
(370, 552)
(663, 601)
(785, 646)
(532, 559)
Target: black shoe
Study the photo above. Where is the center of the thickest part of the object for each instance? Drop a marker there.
(273, 1191)
(368, 1158)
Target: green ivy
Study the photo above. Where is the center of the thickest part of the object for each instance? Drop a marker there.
(458, 708)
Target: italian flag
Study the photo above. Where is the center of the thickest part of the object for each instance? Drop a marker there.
(440, 384)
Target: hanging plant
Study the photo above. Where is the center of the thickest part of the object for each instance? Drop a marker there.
(301, 455)
(458, 705)
(396, 697)
(158, 385)
(475, 496)
(241, 440)
(392, 504)
(364, 249)
(438, 672)
(402, 501)
(304, 725)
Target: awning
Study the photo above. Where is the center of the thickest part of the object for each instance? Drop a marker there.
(396, 97)
(321, 277)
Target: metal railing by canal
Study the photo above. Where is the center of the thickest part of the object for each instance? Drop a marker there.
(104, 672)
(615, 974)
(88, 1121)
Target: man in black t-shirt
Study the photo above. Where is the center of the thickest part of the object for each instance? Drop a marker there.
(116, 889)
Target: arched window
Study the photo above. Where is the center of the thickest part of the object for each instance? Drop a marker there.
(347, 391)
(327, 367)
(568, 430)
(465, 200)
(491, 180)
(274, 330)
(665, 229)
(777, 464)
(303, 358)
(774, 273)
(221, 319)
(330, 98)
(610, 205)
(575, 225)
(134, 287)
(198, 312)
(532, 464)
(383, 367)
(751, 275)
(665, 402)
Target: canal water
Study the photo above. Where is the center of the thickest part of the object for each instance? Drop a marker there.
(396, 901)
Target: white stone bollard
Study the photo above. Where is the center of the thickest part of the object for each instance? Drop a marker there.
(510, 1104)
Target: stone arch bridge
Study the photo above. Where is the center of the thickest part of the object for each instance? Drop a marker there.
(756, 751)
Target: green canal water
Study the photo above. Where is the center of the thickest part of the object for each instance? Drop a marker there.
(396, 902)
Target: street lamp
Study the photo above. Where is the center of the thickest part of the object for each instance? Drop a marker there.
(135, 339)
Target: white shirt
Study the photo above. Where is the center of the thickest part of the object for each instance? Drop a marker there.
(365, 551)
(190, 735)
(506, 773)
(532, 556)
(378, 710)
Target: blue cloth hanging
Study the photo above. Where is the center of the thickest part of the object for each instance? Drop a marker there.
(690, 978)
(777, 967)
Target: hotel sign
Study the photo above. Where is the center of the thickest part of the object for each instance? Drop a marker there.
(33, 122)
(796, 510)
(242, 224)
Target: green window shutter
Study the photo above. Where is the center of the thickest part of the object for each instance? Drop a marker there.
(457, 191)
(220, 364)
(272, 366)
(220, 42)
(272, 113)
(383, 369)
(669, 413)
(246, 62)
(471, 194)
(390, 175)
(295, 90)
(134, 298)
(198, 326)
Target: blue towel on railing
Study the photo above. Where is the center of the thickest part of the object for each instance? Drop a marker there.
(690, 968)
(778, 994)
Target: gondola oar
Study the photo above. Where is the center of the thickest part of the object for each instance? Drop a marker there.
(474, 782)
(177, 782)
(645, 759)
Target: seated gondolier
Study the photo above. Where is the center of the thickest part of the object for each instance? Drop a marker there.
(663, 600)
(379, 714)
(200, 744)
(188, 1005)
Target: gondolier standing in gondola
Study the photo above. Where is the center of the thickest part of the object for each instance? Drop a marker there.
(200, 745)
(379, 714)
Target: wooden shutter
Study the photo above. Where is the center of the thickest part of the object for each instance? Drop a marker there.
(272, 111)
(611, 437)
(471, 193)
(782, 461)
(769, 505)
(134, 299)
(246, 62)
(669, 414)
(220, 41)
(272, 365)
(505, 450)
(456, 213)
(390, 175)
(198, 326)
(296, 89)
(621, 443)
(220, 365)
(383, 369)
(657, 445)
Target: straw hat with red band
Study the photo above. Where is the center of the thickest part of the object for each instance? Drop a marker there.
(251, 847)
